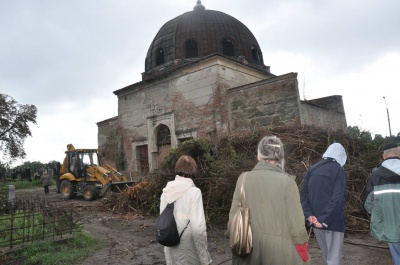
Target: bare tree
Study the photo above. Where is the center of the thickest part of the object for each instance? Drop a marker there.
(14, 126)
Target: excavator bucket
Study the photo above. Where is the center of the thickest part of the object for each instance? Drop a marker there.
(116, 187)
(120, 186)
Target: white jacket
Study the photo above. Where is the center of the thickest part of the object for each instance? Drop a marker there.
(188, 206)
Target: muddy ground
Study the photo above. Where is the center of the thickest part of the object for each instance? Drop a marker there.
(132, 241)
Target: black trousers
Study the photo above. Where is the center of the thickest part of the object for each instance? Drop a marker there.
(46, 190)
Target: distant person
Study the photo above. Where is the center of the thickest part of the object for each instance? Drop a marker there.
(188, 206)
(46, 182)
(382, 200)
(323, 197)
(277, 220)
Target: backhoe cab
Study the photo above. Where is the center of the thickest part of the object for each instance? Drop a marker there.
(82, 174)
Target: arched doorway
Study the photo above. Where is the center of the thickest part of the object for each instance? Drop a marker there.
(163, 141)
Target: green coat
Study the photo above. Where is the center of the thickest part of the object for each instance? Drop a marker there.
(276, 216)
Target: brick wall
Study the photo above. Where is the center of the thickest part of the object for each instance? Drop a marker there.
(275, 100)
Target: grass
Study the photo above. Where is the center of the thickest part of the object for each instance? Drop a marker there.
(25, 226)
(21, 226)
(48, 252)
(66, 252)
(23, 184)
(19, 184)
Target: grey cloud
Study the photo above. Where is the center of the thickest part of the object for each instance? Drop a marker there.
(346, 34)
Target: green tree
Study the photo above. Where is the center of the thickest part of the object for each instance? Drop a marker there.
(379, 140)
(14, 126)
(356, 132)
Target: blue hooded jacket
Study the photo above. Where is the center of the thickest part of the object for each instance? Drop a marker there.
(323, 193)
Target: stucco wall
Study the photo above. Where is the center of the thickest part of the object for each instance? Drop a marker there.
(214, 96)
(190, 101)
(105, 128)
(106, 139)
(327, 112)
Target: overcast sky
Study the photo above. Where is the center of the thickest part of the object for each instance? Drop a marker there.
(67, 57)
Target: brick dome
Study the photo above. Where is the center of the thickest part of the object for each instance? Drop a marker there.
(199, 33)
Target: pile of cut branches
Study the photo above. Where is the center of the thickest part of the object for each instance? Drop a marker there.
(221, 160)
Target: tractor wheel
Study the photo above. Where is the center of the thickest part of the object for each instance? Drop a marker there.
(90, 193)
(68, 189)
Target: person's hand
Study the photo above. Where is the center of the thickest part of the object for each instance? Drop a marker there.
(314, 221)
(317, 224)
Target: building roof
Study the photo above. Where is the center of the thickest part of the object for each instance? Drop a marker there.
(201, 32)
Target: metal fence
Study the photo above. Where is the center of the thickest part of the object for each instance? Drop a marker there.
(3, 196)
(27, 220)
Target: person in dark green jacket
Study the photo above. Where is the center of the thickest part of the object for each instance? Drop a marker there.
(382, 200)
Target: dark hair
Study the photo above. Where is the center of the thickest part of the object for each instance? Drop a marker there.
(390, 146)
(186, 166)
(391, 150)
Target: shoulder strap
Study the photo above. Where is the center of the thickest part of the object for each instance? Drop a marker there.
(184, 229)
(172, 206)
(242, 193)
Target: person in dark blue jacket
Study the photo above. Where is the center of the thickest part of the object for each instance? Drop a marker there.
(323, 198)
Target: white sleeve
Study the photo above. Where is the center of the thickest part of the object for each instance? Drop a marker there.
(163, 203)
(198, 225)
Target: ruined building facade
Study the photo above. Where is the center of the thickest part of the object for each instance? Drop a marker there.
(204, 76)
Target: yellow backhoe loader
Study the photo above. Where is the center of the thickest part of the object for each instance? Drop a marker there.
(82, 174)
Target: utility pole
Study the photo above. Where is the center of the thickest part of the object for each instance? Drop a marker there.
(387, 110)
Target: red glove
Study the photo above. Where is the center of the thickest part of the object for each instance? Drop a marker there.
(302, 250)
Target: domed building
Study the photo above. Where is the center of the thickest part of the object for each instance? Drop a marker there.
(200, 33)
(204, 76)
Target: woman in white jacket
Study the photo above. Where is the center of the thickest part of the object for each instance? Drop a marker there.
(188, 206)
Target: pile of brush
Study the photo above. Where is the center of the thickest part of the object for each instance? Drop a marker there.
(221, 160)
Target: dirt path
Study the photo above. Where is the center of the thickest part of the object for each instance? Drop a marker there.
(131, 238)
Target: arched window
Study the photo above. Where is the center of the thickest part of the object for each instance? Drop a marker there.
(163, 135)
(254, 53)
(227, 47)
(191, 49)
(160, 57)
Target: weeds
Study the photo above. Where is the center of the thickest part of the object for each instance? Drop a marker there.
(22, 184)
(64, 252)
